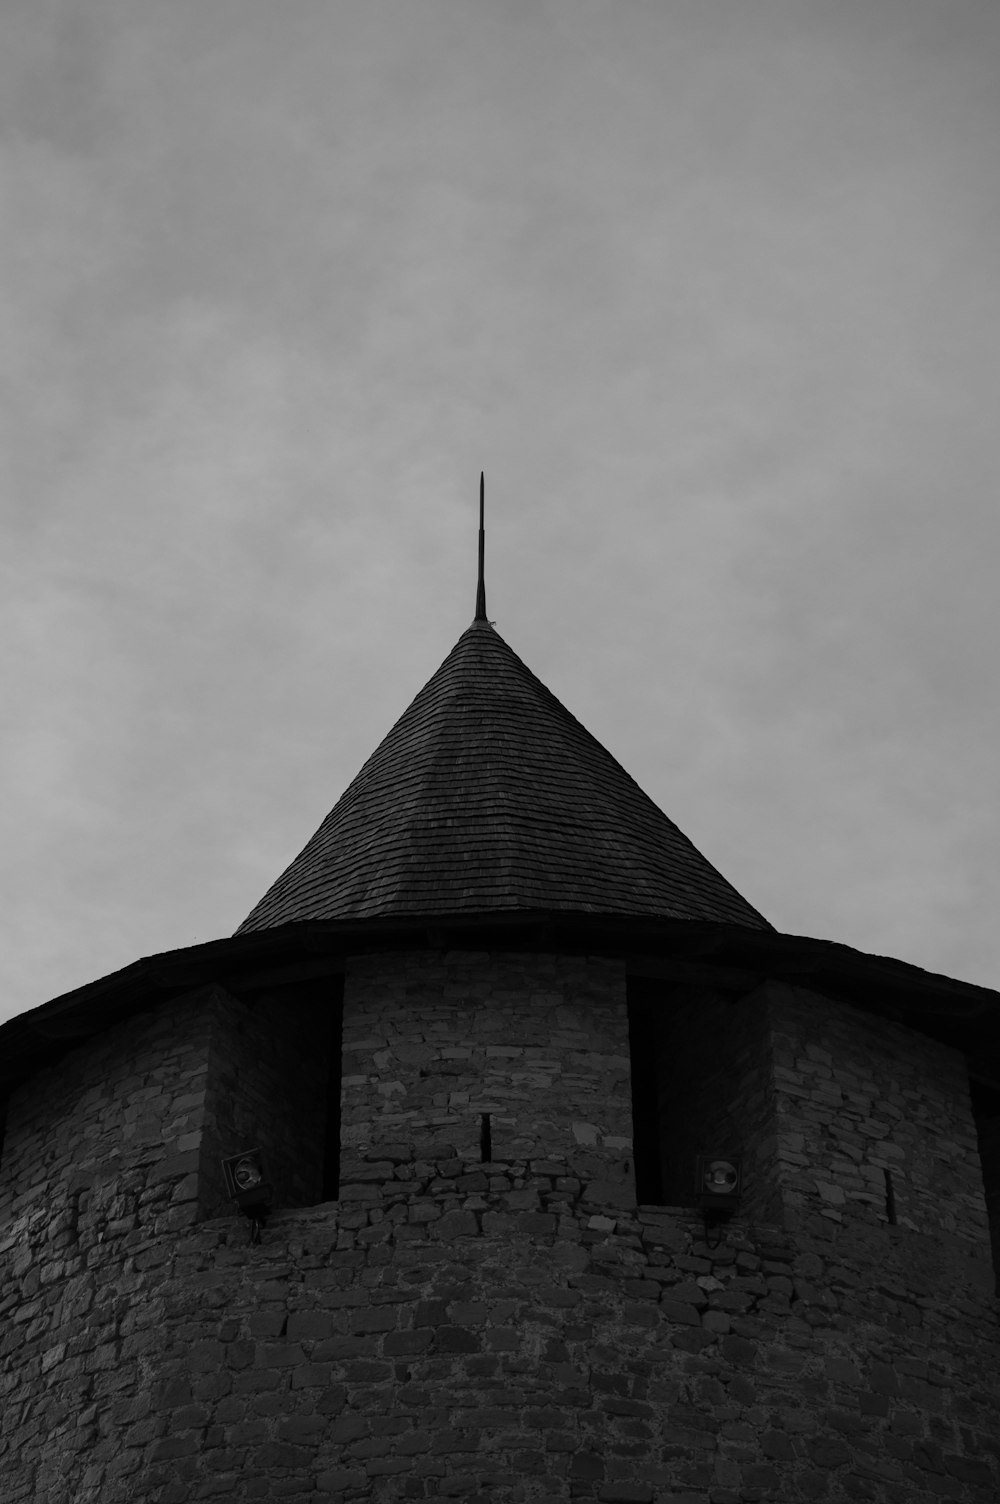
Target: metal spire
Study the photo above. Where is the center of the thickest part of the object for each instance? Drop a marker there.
(481, 587)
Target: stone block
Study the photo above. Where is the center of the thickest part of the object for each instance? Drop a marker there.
(339, 1481)
(456, 1339)
(170, 1448)
(716, 1321)
(407, 1344)
(278, 1355)
(457, 1224)
(536, 1224)
(309, 1326)
(827, 1451)
(678, 1311)
(778, 1445)
(738, 1351)
(609, 1193)
(376, 1319)
(381, 1467)
(313, 1376)
(497, 1225)
(205, 1355)
(264, 1324)
(689, 1292)
(430, 1313)
(882, 1379)
(468, 1312)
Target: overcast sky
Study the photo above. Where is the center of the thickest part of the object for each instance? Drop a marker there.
(710, 290)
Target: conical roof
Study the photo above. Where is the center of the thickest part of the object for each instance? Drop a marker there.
(489, 796)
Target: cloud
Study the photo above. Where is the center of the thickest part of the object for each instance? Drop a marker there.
(710, 293)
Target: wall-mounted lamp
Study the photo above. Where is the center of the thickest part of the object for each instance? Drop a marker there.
(718, 1183)
(248, 1188)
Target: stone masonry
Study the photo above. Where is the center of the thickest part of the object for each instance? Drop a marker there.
(540, 1043)
(505, 1329)
(858, 1099)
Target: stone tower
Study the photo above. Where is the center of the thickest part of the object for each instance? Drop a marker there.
(478, 1034)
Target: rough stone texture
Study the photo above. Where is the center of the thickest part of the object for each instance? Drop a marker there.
(856, 1096)
(540, 1043)
(157, 1101)
(509, 1331)
(127, 1107)
(448, 1345)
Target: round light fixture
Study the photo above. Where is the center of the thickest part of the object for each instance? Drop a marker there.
(247, 1173)
(720, 1177)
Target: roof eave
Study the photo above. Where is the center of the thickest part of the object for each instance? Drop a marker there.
(737, 956)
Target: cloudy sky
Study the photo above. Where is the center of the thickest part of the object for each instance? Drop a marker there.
(710, 290)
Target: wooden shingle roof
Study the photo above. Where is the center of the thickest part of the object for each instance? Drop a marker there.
(488, 795)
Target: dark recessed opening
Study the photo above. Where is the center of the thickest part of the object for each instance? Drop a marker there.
(684, 1086)
(985, 1097)
(331, 1137)
(642, 1032)
(485, 1139)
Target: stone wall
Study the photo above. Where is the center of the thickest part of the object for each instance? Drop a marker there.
(858, 1098)
(508, 1342)
(434, 1042)
(129, 1106)
(157, 1101)
(510, 1330)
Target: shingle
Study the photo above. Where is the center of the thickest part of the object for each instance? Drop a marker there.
(488, 795)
